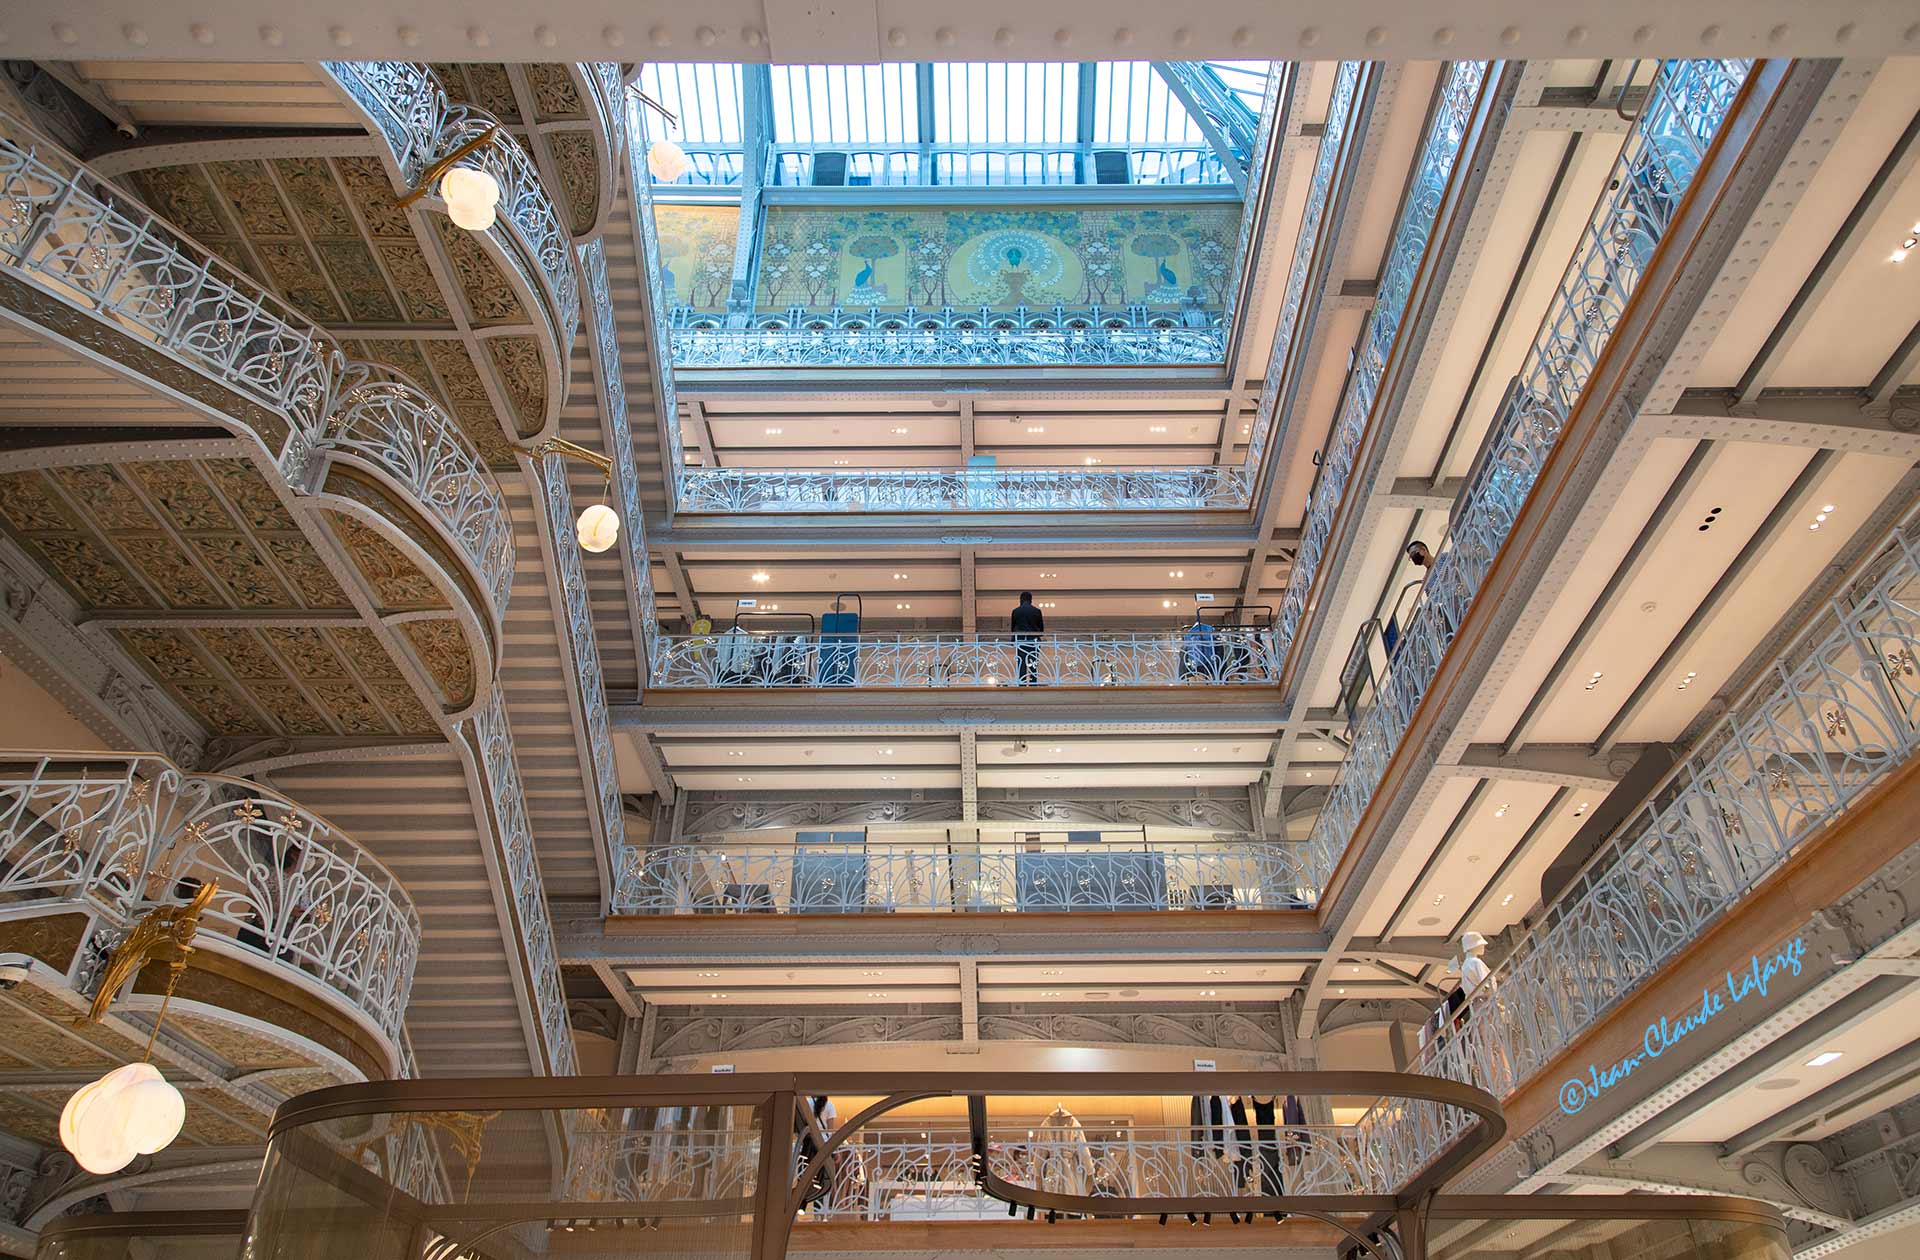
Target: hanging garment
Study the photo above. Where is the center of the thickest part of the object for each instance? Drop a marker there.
(735, 654)
(1197, 651)
(1294, 1115)
(1062, 1160)
(1267, 1139)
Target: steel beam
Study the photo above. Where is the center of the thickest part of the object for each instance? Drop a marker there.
(1828, 420)
(1564, 765)
(1886, 1076)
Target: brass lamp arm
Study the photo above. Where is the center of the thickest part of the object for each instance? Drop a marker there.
(445, 164)
(560, 446)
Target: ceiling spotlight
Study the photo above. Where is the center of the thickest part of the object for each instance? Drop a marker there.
(1502, 811)
(1827, 507)
(763, 577)
(1823, 1058)
(1507, 900)
(1166, 603)
(903, 607)
(1176, 573)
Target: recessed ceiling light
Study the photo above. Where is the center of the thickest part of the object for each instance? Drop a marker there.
(888, 778)
(1049, 993)
(763, 576)
(873, 973)
(735, 752)
(1342, 992)
(870, 994)
(709, 975)
(1047, 603)
(1898, 255)
(1050, 973)
(718, 995)
(1502, 811)
(1438, 898)
(1166, 603)
(1050, 575)
(1580, 809)
(1507, 900)
(1093, 459)
(1209, 992)
(775, 432)
(1216, 971)
(1176, 573)
(886, 752)
(1156, 428)
(839, 463)
(903, 607)
(1056, 748)
(1199, 748)
(899, 431)
(1036, 428)
(1826, 507)
(1823, 1058)
(773, 608)
(743, 778)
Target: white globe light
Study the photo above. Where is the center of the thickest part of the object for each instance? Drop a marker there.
(667, 161)
(470, 194)
(598, 528)
(130, 1111)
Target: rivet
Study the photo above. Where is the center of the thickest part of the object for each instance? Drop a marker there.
(201, 32)
(1443, 36)
(272, 36)
(613, 36)
(1845, 32)
(1062, 37)
(1641, 34)
(1710, 34)
(135, 34)
(1123, 36)
(1577, 35)
(1779, 33)
(660, 36)
(1510, 35)
(944, 37)
(545, 36)
(896, 37)
(409, 35)
(1376, 36)
(341, 36)
(1912, 33)
(478, 37)
(1242, 37)
(1309, 36)
(751, 36)
(64, 32)
(1182, 37)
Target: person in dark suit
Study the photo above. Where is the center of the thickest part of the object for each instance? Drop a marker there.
(1028, 625)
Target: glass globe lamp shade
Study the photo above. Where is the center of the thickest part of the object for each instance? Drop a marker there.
(667, 161)
(130, 1111)
(470, 194)
(598, 528)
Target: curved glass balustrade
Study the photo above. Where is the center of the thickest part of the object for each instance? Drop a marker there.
(1669, 141)
(101, 256)
(1837, 713)
(112, 836)
(1052, 874)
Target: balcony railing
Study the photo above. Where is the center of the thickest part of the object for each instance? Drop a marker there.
(1835, 715)
(945, 876)
(1172, 658)
(1687, 104)
(67, 234)
(1056, 336)
(115, 835)
(927, 1175)
(1198, 489)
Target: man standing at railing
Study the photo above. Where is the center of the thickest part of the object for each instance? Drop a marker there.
(1028, 624)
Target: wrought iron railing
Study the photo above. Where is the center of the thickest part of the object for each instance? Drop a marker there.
(420, 123)
(114, 835)
(1197, 488)
(69, 234)
(1834, 716)
(662, 1165)
(1687, 103)
(1173, 658)
(743, 877)
(1333, 150)
(1447, 132)
(928, 1174)
(1058, 337)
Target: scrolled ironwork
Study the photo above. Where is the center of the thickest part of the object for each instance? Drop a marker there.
(1688, 101)
(119, 835)
(1836, 714)
(1432, 170)
(412, 112)
(662, 1165)
(1227, 658)
(1024, 876)
(67, 232)
(1199, 487)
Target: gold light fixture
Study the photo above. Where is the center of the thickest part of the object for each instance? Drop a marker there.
(470, 192)
(666, 161)
(132, 1110)
(598, 526)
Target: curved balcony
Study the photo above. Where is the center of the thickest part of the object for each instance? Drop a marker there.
(1170, 658)
(942, 876)
(406, 106)
(1199, 488)
(109, 836)
(604, 93)
(93, 266)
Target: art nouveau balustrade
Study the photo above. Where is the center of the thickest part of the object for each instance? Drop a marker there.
(110, 836)
(953, 876)
(1687, 103)
(1021, 337)
(1193, 489)
(1835, 715)
(100, 256)
(409, 109)
(1174, 658)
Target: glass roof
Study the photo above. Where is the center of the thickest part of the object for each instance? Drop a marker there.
(952, 123)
